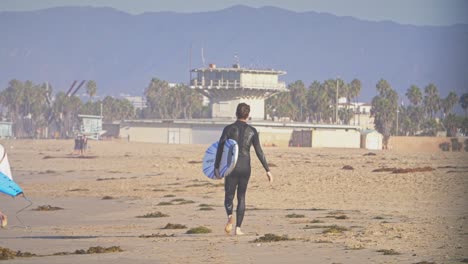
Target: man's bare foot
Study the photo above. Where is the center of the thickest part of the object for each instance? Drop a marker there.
(228, 227)
(4, 220)
(238, 231)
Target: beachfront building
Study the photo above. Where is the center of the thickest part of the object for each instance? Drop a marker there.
(138, 102)
(361, 113)
(207, 131)
(227, 87)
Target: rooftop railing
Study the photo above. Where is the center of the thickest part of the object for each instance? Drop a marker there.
(235, 84)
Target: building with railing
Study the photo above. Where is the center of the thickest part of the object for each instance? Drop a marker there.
(227, 87)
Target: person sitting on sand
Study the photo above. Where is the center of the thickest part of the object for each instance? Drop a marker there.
(3, 220)
(245, 135)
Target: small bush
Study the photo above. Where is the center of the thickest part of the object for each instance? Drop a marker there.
(199, 230)
(107, 197)
(169, 195)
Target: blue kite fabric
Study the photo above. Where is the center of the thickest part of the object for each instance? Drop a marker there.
(8, 186)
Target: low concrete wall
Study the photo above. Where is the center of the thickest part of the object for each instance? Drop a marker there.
(336, 139)
(419, 144)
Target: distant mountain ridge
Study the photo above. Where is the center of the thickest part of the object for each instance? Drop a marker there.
(122, 52)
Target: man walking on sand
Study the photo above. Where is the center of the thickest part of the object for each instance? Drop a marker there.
(245, 135)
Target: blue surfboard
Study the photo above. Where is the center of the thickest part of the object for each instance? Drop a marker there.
(8, 186)
(228, 159)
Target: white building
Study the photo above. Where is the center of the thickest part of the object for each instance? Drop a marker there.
(138, 102)
(227, 87)
(361, 112)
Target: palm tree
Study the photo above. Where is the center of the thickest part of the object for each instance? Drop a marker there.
(414, 95)
(448, 103)
(91, 88)
(431, 100)
(464, 102)
(384, 108)
(299, 98)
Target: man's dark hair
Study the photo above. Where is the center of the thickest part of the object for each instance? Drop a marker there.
(242, 111)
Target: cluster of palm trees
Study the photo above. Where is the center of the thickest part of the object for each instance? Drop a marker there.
(165, 102)
(317, 104)
(429, 112)
(36, 112)
(426, 114)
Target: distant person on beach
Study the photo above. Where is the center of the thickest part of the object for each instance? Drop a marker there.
(84, 144)
(245, 136)
(3, 220)
(77, 147)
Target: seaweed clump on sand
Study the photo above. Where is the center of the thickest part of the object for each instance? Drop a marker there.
(47, 208)
(174, 226)
(388, 252)
(295, 216)
(272, 238)
(334, 229)
(6, 253)
(199, 230)
(407, 170)
(156, 236)
(153, 215)
(91, 250)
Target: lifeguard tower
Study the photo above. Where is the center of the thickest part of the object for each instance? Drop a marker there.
(227, 87)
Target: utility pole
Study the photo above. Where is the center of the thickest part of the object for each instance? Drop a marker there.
(397, 111)
(336, 103)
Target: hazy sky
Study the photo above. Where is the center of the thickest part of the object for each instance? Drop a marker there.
(416, 12)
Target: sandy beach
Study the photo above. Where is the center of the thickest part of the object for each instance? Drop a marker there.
(380, 217)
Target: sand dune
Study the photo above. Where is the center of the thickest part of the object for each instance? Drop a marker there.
(422, 216)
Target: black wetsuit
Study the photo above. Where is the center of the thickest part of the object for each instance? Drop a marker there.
(245, 135)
